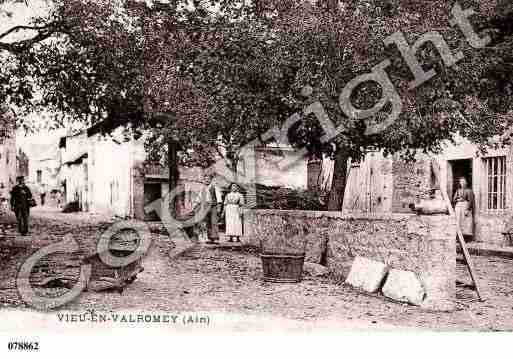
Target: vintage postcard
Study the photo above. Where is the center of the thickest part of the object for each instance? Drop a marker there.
(315, 168)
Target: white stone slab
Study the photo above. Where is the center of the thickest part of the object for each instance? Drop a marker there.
(367, 274)
(403, 286)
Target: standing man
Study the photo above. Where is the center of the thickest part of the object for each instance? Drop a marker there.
(212, 197)
(21, 199)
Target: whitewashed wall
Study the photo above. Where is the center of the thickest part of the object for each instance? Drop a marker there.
(280, 167)
(110, 176)
(7, 166)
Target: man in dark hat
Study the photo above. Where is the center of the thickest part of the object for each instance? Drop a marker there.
(21, 199)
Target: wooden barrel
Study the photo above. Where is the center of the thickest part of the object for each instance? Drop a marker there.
(282, 268)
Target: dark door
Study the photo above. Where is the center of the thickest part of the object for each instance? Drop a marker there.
(456, 170)
(152, 192)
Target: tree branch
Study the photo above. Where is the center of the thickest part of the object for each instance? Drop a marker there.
(44, 32)
(23, 27)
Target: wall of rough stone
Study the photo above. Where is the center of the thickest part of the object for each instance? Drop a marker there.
(411, 182)
(489, 228)
(424, 245)
(406, 182)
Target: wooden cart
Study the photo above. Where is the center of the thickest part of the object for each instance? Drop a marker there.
(105, 277)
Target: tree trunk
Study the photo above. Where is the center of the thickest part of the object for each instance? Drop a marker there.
(332, 5)
(174, 174)
(233, 167)
(338, 185)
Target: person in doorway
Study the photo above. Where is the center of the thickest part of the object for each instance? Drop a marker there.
(21, 201)
(233, 205)
(212, 198)
(463, 202)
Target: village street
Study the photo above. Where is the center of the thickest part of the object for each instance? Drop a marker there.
(229, 282)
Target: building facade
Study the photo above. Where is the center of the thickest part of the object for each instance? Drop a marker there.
(42, 165)
(121, 181)
(73, 172)
(108, 174)
(7, 157)
(281, 167)
(389, 184)
(107, 171)
(22, 163)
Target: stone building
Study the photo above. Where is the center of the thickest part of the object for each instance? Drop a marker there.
(22, 163)
(108, 173)
(388, 185)
(42, 162)
(73, 169)
(271, 169)
(120, 179)
(106, 170)
(7, 163)
(7, 156)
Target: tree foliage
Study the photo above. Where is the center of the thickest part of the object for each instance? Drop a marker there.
(217, 74)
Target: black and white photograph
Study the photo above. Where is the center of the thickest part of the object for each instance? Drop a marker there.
(247, 171)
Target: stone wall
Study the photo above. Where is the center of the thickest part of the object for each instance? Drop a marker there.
(424, 245)
(411, 182)
(489, 228)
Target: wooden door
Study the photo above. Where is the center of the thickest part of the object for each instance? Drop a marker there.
(450, 180)
(368, 185)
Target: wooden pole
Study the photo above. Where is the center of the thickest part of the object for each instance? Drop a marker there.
(459, 234)
(173, 173)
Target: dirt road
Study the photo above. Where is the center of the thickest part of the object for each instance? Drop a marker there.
(229, 282)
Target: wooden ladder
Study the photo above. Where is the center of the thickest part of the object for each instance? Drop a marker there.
(436, 170)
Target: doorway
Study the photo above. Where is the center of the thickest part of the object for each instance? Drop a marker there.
(152, 192)
(455, 170)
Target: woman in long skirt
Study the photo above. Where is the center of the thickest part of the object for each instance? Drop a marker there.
(233, 204)
(463, 207)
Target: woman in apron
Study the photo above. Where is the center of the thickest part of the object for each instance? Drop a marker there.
(463, 202)
(233, 203)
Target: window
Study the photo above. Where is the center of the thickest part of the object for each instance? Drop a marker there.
(496, 177)
(39, 175)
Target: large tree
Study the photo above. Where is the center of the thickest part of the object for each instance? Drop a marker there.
(218, 74)
(247, 72)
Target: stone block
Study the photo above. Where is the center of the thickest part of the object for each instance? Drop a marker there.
(315, 270)
(424, 245)
(316, 247)
(367, 274)
(403, 286)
